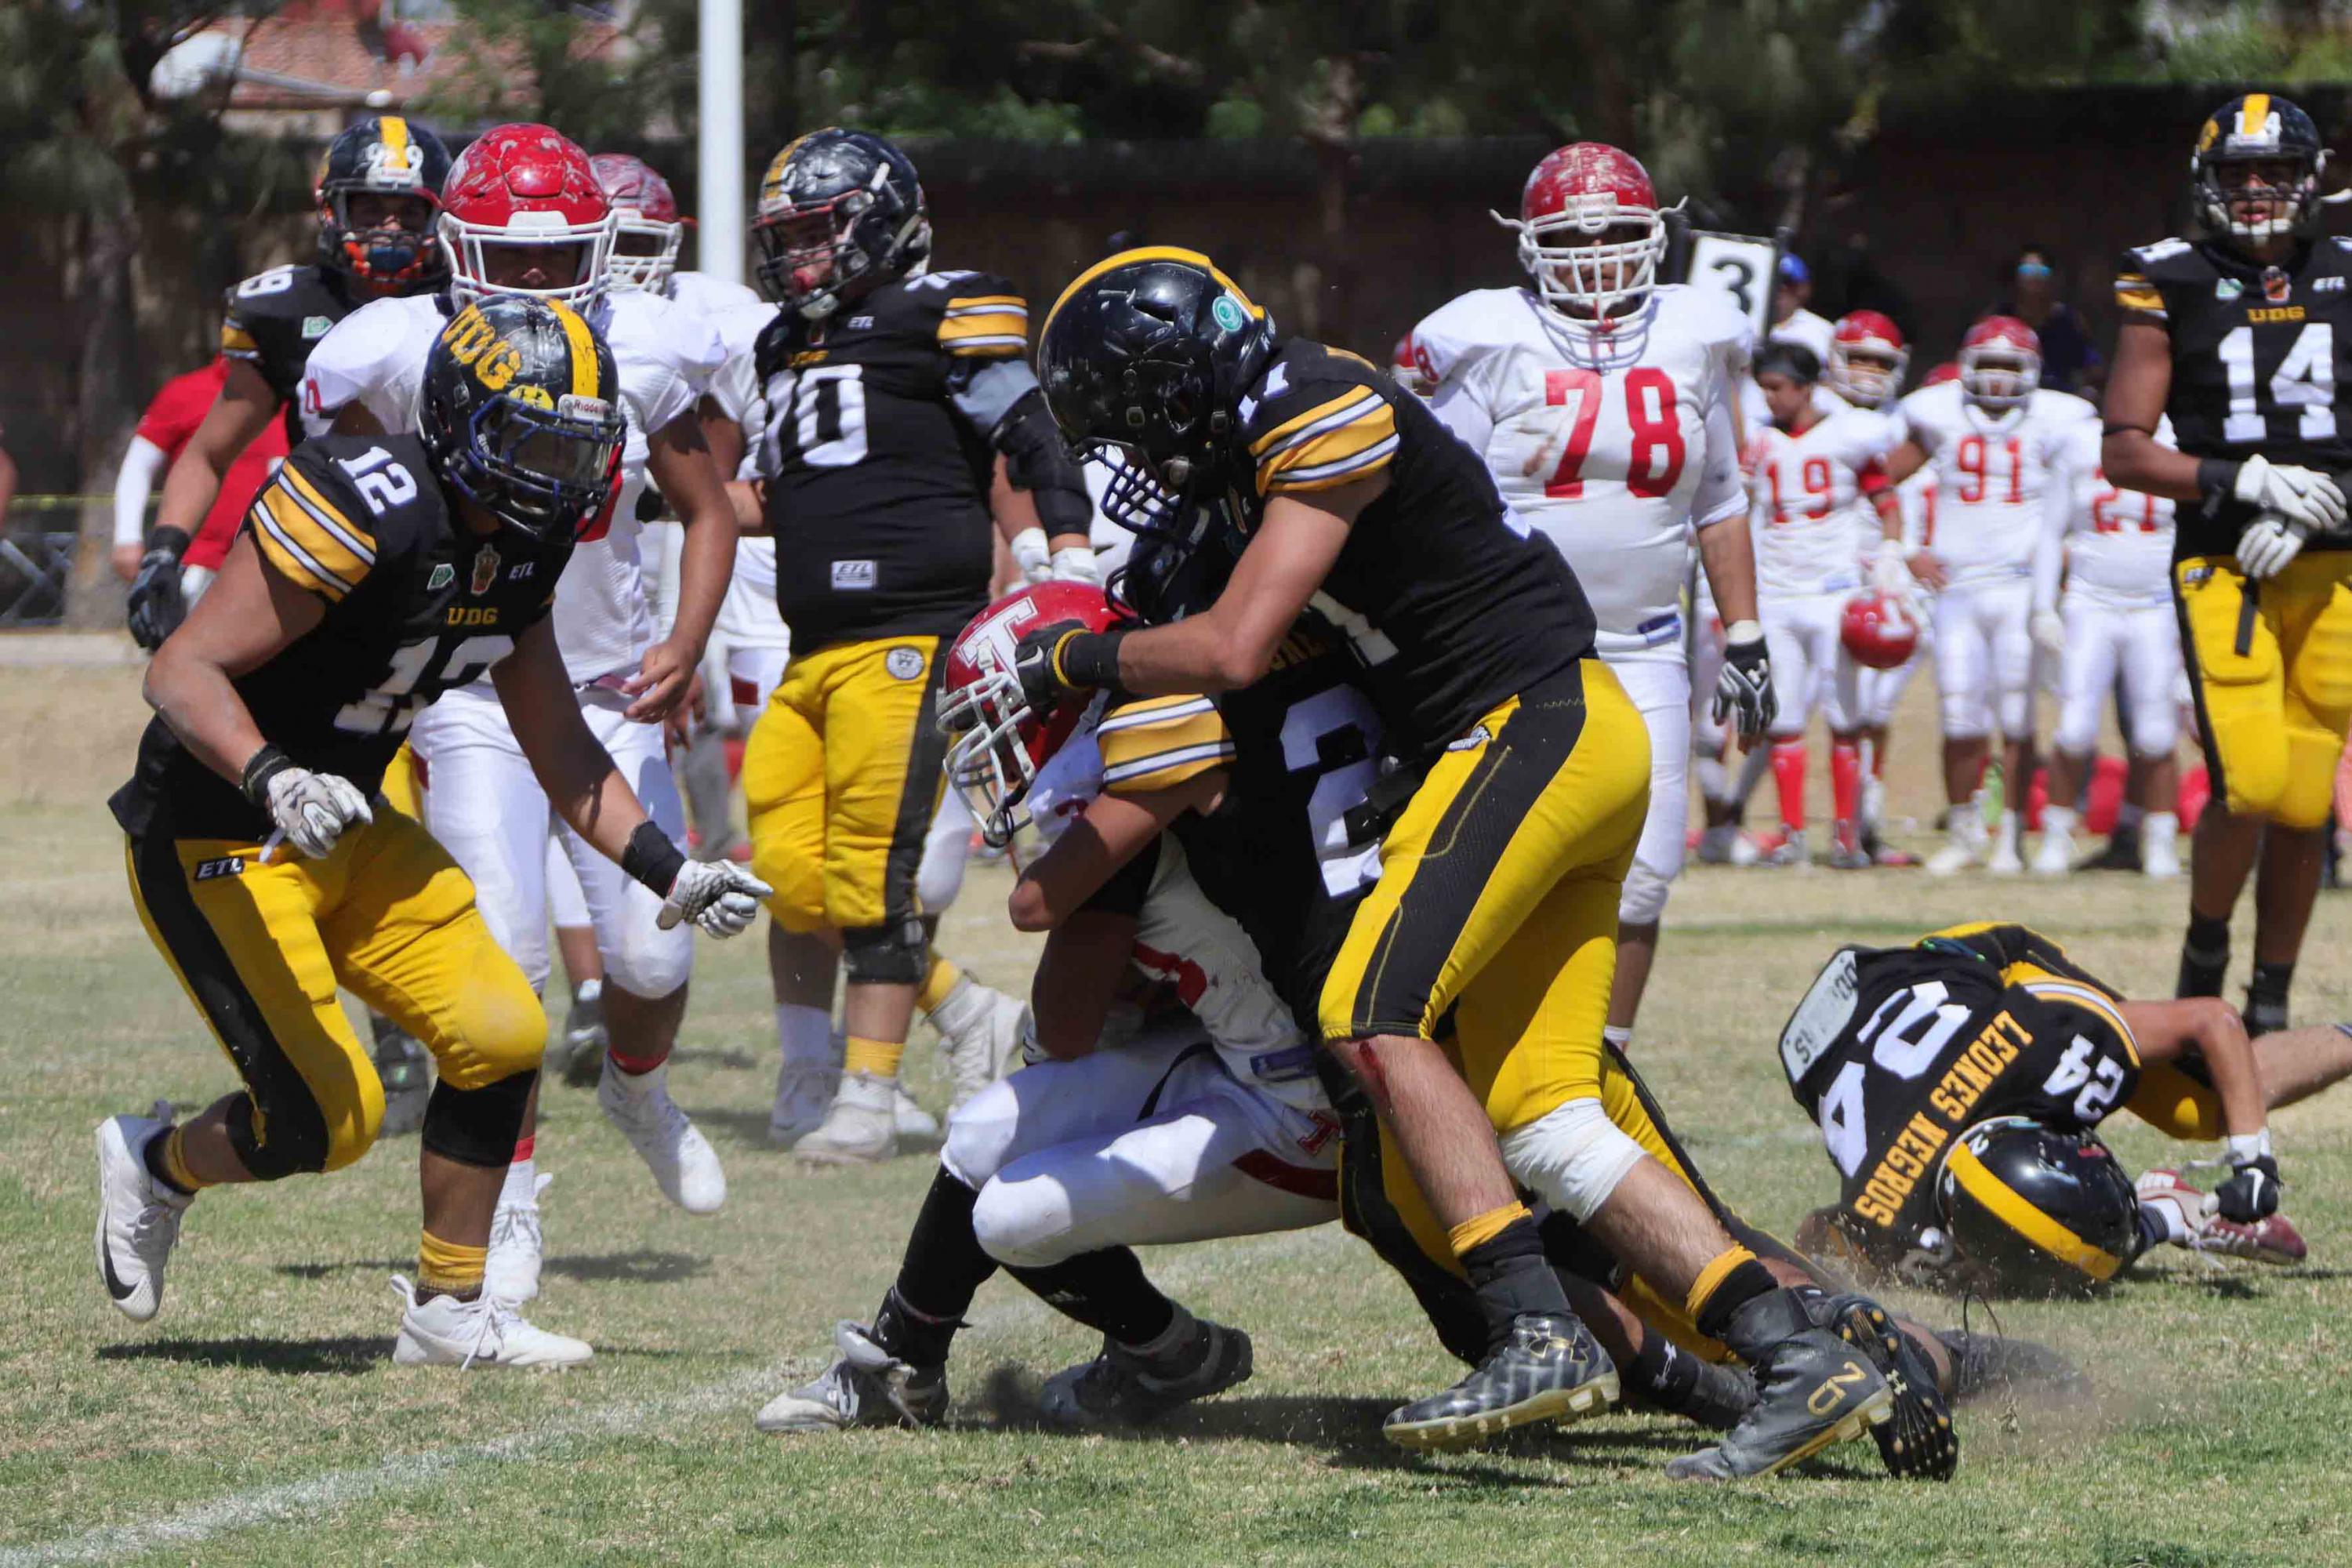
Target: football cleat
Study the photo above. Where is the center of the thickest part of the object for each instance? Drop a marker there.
(2054, 855)
(1121, 1388)
(804, 1093)
(405, 1069)
(981, 1029)
(1984, 1365)
(683, 1163)
(512, 1270)
(861, 1128)
(483, 1332)
(1727, 845)
(2120, 853)
(867, 1386)
(2005, 861)
(138, 1216)
(1964, 844)
(1790, 850)
(584, 1036)
(1550, 1368)
(1812, 1390)
(916, 1126)
(1918, 1442)
(2160, 858)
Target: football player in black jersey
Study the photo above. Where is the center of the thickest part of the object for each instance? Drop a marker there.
(378, 189)
(2244, 336)
(1900, 1054)
(899, 417)
(1523, 784)
(373, 573)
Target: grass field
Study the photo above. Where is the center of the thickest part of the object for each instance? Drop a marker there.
(260, 1420)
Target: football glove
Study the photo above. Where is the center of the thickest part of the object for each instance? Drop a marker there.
(2252, 1193)
(157, 604)
(1032, 555)
(312, 809)
(1062, 660)
(720, 896)
(1745, 686)
(1076, 563)
(1890, 572)
(2050, 632)
(2269, 543)
(2302, 496)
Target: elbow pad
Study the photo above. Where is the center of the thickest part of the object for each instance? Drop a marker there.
(1038, 460)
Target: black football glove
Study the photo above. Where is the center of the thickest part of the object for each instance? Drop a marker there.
(1745, 686)
(1062, 659)
(2252, 1193)
(157, 606)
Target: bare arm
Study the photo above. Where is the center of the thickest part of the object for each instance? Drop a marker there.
(586, 790)
(1727, 550)
(250, 614)
(680, 462)
(1015, 509)
(1114, 830)
(1079, 976)
(1901, 463)
(354, 419)
(2210, 1029)
(241, 412)
(2137, 394)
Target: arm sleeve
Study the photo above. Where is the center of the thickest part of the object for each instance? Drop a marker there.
(1037, 459)
(142, 464)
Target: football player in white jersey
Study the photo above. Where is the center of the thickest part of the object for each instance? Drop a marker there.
(2117, 619)
(1999, 444)
(1812, 472)
(1603, 402)
(523, 214)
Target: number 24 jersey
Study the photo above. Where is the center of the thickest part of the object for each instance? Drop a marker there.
(417, 605)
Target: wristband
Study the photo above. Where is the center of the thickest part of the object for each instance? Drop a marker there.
(2217, 478)
(171, 539)
(2245, 1148)
(1738, 634)
(652, 859)
(260, 769)
(1089, 659)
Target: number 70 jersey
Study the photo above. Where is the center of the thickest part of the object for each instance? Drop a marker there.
(1613, 443)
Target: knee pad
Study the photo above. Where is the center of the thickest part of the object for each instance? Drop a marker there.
(1019, 1223)
(296, 1143)
(885, 954)
(1573, 1157)
(980, 1135)
(477, 1126)
(1644, 897)
(648, 962)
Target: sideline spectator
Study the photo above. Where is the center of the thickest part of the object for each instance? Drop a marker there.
(2070, 362)
(1792, 323)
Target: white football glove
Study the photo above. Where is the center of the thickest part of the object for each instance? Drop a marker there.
(2269, 543)
(2300, 496)
(1888, 573)
(1032, 555)
(312, 809)
(1077, 564)
(2050, 632)
(720, 896)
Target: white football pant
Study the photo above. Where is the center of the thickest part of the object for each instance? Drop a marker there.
(2143, 643)
(1661, 689)
(1804, 635)
(1984, 660)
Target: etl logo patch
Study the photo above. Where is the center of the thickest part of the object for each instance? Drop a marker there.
(227, 866)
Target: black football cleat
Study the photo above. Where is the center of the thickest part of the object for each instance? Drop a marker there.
(1550, 1368)
(1919, 1443)
(1812, 1390)
(1122, 1388)
(1985, 1366)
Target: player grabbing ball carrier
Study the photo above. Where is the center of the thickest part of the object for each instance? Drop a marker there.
(374, 574)
(2243, 337)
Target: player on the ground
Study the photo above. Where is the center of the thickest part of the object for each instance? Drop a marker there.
(522, 215)
(2243, 338)
(1601, 401)
(1812, 472)
(2117, 622)
(376, 572)
(900, 429)
(1900, 1054)
(1998, 443)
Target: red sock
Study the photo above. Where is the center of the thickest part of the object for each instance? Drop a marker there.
(1845, 781)
(1788, 773)
(526, 1146)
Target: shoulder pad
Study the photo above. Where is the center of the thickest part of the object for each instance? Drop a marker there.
(313, 525)
(1318, 418)
(1707, 314)
(1465, 328)
(1158, 742)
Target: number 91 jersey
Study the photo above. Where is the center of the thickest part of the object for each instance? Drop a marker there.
(2260, 356)
(416, 605)
(1612, 443)
(1894, 1052)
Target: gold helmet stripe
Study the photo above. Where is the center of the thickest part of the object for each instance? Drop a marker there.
(393, 131)
(2022, 1217)
(2254, 114)
(1152, 253)
(584, 350)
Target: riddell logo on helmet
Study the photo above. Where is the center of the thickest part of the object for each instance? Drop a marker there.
(472, 340)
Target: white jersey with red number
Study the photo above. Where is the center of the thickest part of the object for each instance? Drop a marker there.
(1808, 488)
(1998, 477)
(1614, 443)
(710, 297)
(749, 617)
(664, 356)
(2119, 543)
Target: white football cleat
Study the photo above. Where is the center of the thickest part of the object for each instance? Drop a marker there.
(2160, 846)
(2054, 857)
(684, 1165)
(983, 1040)
(2006, 861)
(865, 1387)
(483, 1332)
(860, 1129)
(138, 1216)
(511, 1271)
(1964, 844)
(915, 1125)
(804, 1093)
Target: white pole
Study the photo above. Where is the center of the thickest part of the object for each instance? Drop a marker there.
(719, 249)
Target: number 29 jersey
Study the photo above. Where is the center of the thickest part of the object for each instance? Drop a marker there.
(2261, 358)
(1894, 1052)
(417, 605)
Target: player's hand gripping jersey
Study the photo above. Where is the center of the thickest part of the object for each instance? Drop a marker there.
(1995, 477)
(1812, 497)
(417, 605)
(1613, 442)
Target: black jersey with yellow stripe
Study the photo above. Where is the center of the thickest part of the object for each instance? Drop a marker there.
(1451, 603)
(2262, 363)
(1303, 746)
(1894, 1052)
(273, 320)
(416, 605)
(878, 458)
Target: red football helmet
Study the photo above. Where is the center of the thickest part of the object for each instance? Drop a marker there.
(645, 214)
(1411, 368)
(526, 187)
(1878, 630)
(2000, 362)
(1000, 742)
(1590, 231)
(1867, 357)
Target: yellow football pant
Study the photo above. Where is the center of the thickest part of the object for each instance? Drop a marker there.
(2274, 715)
(260, 949)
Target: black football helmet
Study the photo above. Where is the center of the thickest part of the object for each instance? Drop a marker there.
(877, 226)
(1145, 360)
(2279, 196)
(384, 155)
(2032, 1211)
(521, 410)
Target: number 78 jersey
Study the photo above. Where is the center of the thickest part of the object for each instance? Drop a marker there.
(1612, 443)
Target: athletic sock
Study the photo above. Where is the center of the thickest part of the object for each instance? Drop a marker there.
(1714, 779)
(2158, 827)
(1660, 1375)
(1845, 781)
(1618, 1037)
(940, 979)
(1502, 1252)
(2266, 997)
(522, 1174)
(877, 1057)
(1788, 777)
(448, 1268)
(1106, 1290)
(634, 1071)
(803, 1035)
(165, 1157)
(1735, 1278)
(2204, 956)
(1752, 773)
(942, 1269)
